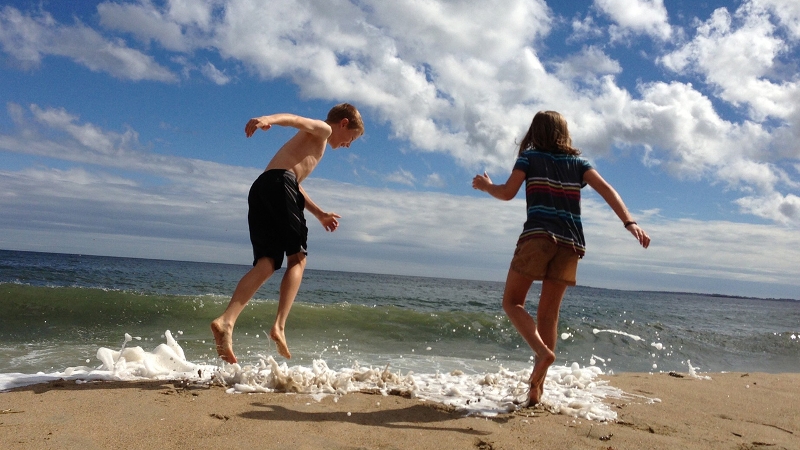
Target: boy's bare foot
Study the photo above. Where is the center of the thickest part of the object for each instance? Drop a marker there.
(280, 342)
(222, 336)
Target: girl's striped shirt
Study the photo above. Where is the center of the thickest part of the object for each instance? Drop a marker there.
(553, 185)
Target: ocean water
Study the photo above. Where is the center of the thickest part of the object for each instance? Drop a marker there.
(68, 316)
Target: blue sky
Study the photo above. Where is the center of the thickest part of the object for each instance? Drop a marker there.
(122, 130)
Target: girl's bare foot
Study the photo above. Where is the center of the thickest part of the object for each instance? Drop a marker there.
(538, 375)
(534, 396)
(280, 342)
(224, 341)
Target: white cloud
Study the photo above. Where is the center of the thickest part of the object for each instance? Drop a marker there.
(585, 28)
(695, 142)
(180, 25)
(61, 136)
(462, 29)
(786, 11)
(743, 58)
(143, 21)
(214, 74)
(447, 79)
(28, 38)
(738, 55)
(406, 61)
(434, 180)
(690, 248)
(781, 209)
(587, 64)
(402, 176)
(694, 138)
(647, 17)
(193, 12)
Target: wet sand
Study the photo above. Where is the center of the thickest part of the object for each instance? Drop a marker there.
(730, 411)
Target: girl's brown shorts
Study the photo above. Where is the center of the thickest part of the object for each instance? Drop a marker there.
(543, 259)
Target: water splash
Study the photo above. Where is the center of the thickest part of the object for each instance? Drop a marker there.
(571, 390)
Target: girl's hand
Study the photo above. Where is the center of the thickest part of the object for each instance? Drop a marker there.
(639, 234)
(481, 182)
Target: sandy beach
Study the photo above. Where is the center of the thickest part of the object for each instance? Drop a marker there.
(729, 411)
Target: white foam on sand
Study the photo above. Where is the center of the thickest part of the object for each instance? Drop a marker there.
(166, 362)
(571, 390)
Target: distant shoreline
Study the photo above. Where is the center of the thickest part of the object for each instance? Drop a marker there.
(779, 299)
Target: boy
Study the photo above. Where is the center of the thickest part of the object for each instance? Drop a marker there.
(275, 217)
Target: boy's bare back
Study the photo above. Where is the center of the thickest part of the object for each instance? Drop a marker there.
(303, 151)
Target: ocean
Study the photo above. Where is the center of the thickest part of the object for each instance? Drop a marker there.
(69, 316)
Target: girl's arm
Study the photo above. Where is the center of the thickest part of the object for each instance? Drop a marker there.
(610, 195)
(505, 191)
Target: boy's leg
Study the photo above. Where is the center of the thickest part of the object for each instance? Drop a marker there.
(222, 326)
(516, 290)
(290, 285)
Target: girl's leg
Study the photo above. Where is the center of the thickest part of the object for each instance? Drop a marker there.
(222, 326)
(290, 285)
(517, 287)
(547, 313)
(547, 321)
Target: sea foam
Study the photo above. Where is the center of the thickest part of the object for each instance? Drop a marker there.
(570, 390)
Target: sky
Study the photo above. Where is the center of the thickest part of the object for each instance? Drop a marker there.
(122, 130)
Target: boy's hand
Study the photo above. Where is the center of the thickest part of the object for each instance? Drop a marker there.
(328, 220)
(254, 124)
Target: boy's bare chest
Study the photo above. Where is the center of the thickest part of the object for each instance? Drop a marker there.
(305, 166)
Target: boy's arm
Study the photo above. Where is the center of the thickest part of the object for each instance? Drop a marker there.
(327, 219)
(505, 191)
(311, 126)
(610, 195)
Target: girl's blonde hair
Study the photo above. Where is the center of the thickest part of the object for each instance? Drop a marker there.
(548, 133)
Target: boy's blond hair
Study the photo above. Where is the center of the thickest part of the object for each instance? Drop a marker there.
(549, 133)
(346, 111)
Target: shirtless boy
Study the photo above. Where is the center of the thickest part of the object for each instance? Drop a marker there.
(275, 218)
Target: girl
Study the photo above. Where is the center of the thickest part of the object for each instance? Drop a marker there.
(552, 240)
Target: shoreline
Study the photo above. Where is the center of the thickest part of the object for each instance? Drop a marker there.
(729, 410)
